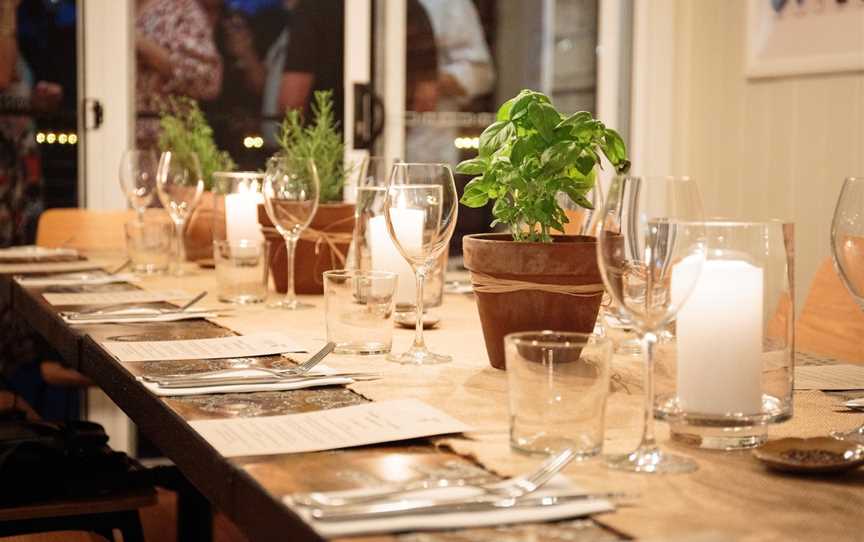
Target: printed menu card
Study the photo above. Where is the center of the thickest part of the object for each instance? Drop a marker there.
(256, 344)
(111, 298)
(829, 377)
(357, 425)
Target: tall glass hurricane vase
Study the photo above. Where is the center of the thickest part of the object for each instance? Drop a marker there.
(420, 207)
(138, 178)
(291, 198)
(179, 185)
(847, 249)
(659, 229)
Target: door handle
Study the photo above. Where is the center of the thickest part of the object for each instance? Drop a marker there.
(368, 116)
(94, 113)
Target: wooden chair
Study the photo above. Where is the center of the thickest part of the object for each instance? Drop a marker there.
(831, 323)
(82, 228)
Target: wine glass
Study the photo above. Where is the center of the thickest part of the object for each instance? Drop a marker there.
(420, 209)
(179, 185)
(291, 199)
(138, 178)
(659, 229)
(847, 250)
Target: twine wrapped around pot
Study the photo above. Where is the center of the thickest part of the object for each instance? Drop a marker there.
(320, 238)
(488, 284)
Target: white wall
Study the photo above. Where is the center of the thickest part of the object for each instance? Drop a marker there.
(763, 148)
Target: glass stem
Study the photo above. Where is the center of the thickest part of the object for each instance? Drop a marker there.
(181, 243)
(140, 211)
(290, 248)
(649, 341)
(420, 276)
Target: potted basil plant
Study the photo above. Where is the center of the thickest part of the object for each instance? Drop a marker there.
(532, 279)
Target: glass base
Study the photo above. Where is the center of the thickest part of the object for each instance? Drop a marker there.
(366, 348)
(419, 356)
(720, 438)
(856, 435)
(290, 305)
(242, 299)
(652, 461)
(182, 271)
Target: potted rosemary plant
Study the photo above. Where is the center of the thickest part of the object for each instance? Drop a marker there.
(324, 244)
(532, 279)
(185, 131)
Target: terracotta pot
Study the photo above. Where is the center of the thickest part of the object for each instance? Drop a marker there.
(569, 260)
(312, 258)
(199, 230)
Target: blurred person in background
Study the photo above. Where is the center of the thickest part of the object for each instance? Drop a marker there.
(314, 56)
(24, 355)
(232, 114)
(465, 71)
(176, 55)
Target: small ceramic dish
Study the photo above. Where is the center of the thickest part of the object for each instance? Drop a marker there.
(813, 455)
(408, 320)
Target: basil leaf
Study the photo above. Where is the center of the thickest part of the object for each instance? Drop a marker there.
(494, 137)
(474, 166)
(475, 194)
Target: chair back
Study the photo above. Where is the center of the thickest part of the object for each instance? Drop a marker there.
(83, 229)
(831, 323)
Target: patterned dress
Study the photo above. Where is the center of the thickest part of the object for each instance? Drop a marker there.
(182, 28)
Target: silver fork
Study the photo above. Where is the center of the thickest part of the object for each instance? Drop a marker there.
(513, 488)
(300, 369)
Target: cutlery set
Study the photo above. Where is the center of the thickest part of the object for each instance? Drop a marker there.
(411, 499)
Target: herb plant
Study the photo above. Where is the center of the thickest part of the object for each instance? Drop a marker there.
(530, 154)
(320, 141)
(184, 131)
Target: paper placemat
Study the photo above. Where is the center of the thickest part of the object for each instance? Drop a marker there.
(48, 267)
(358, 425)
(111, 298)
(33, 252)
(76, 279)
(256, 344)
(829, 377)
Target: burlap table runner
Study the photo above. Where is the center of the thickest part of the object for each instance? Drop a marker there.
(731, 493)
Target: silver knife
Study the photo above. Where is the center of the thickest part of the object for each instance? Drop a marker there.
(477, 504)
(244, 380)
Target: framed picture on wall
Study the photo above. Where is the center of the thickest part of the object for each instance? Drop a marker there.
(798, 37)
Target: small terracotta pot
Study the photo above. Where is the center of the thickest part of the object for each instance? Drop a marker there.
(199, 230)
(312, 258)
(569, 260)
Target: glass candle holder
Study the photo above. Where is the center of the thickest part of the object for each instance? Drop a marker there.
(729, 373)
(236, 196)
(373, 249)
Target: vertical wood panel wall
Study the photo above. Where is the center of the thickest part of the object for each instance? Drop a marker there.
(761, 148)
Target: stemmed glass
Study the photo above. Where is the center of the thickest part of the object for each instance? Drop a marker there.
(179, 185)
(847, 250)
(138, 178)
(420, 209)
(291, 198)
(659, 229)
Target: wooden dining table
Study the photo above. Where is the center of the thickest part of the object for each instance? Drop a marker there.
(730, 497)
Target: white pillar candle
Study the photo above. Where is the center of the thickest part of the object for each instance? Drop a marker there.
(241, 217)
(719, 331)
(385, 255)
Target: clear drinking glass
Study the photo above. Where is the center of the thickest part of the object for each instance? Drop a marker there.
(374, 249)
(660, 229)
(179, 184)
(138, 178)
(557, 385)
(291, 199)
(420, 209)
(242, 270)
(359, 310)
(148, 245)
(847, 250)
